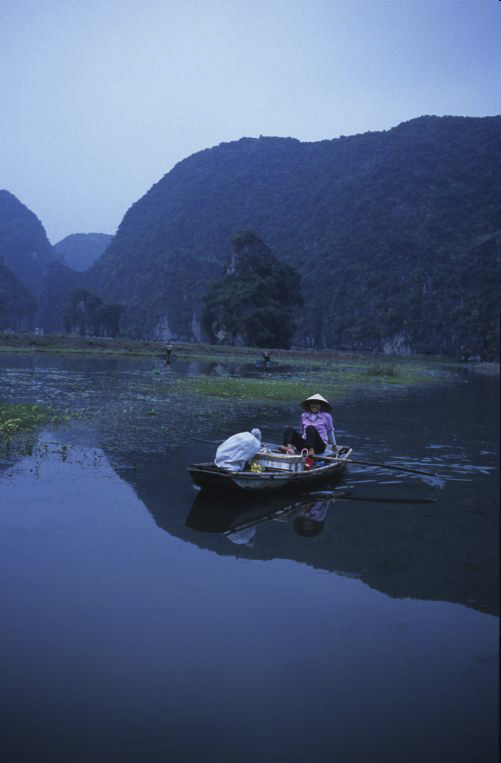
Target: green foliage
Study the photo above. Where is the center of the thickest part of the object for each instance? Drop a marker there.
(337, 382)
(86, 315)
(20, 422)
(59, 283)
(254, 303)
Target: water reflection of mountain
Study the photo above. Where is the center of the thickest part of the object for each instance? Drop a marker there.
(443, 551)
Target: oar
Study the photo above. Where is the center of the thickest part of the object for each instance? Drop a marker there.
(294, 509)
(351, 497)
(209, 442)
(345, 495)
(373, 463)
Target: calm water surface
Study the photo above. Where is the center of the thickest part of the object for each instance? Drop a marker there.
(144, 622)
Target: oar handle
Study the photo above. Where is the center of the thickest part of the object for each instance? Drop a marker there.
(393, 467)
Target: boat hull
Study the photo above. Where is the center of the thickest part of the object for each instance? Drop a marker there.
(207, 476)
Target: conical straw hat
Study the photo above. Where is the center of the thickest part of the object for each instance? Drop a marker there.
(324, 404)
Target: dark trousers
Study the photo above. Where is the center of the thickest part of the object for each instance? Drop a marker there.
(311, 439)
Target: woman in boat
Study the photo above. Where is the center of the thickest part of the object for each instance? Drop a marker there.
(317, 429)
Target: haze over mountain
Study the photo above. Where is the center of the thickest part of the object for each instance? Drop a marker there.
(80, 250)
(396, 235)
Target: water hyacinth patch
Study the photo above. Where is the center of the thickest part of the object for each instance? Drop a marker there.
(24, 419)
(337, 384)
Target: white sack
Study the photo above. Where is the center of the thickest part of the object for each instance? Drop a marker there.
(246, 537)
(234, 452)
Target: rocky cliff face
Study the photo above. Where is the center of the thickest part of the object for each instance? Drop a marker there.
(395, 235)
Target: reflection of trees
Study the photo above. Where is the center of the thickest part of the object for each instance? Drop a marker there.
(395, 549)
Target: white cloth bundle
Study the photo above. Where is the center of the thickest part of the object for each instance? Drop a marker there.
(234, 452)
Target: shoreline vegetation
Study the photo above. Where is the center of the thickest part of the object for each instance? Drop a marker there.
(378, 364)
(286, 380)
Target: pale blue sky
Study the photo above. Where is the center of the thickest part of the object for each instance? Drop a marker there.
(100, 98)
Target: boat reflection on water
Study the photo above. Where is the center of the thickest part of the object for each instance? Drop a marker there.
(239, 522)
(397, 539)
(311, 519)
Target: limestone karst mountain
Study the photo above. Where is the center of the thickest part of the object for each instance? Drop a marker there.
(396, 236)
(24, 245)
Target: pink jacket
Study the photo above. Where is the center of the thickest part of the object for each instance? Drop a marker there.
(322, 422)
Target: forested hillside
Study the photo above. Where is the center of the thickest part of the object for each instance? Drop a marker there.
(17, 304)
(58, 286)
(24, 245)
(396, 235)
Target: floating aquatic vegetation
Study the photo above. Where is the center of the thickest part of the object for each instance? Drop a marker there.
(334, 385)
(20, 424)
(22, 417)
(137, 408)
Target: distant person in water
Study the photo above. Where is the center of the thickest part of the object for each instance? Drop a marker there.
(266, 357)
(317, 429)
(168, 352)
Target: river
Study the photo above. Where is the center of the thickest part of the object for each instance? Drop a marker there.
(144, 622)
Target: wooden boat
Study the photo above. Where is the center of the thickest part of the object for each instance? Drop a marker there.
(208, 476)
